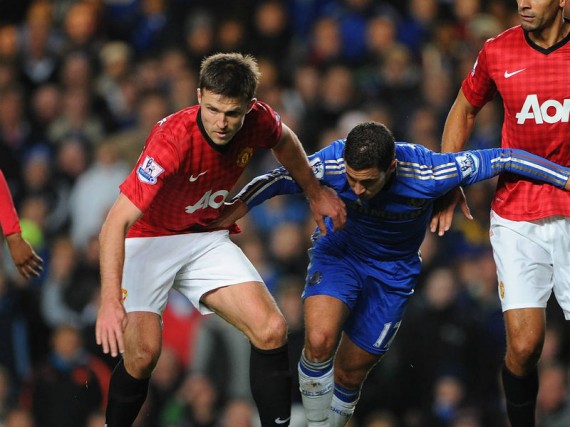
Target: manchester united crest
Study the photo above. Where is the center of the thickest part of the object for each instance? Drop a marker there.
(502, 290)
(244, 157)
(124, 294)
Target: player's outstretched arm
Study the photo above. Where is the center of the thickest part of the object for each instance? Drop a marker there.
(324, 201)
(112, 318)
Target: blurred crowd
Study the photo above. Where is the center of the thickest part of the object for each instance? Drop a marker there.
(82, 83)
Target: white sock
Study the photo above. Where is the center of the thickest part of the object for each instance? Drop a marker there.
(316, 385)
(343, 405)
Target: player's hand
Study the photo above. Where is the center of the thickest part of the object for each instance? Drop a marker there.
(444, 209)
(25, 258)
(567, 186)
(111, 323)
(231, 212)
(326, 202)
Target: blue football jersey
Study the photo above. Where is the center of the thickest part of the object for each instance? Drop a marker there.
(393, 223)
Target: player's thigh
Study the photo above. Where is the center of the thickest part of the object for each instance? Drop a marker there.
(250, 307)
(561, 261)
(375, 319)
(150, 266)
(524, 262)
(222, 264)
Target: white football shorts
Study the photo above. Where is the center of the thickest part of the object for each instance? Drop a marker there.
(193, 264)
(533, 260)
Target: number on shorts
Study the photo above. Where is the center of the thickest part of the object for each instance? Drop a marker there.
(387, 335)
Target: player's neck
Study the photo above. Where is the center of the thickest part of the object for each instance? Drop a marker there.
(548, 37)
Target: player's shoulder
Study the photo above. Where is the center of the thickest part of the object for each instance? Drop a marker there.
(261, 111)
(262, 116)
(328, 162)
(507, 37)
(332, 152)
(416, 156)
(179, 123)
(409, 151)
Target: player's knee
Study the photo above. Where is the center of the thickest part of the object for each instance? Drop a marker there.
(524, 353)
(350, 380)
(320, 345)
(141, 362)
(272, 334)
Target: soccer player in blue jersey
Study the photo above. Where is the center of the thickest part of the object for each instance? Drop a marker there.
(360, 279)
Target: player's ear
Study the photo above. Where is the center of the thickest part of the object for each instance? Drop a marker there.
(250, 104)
(392, 167)
(199, 95)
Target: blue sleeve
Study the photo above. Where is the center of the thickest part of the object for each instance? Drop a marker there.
(278, 181)
(263, 187)
(477, 165)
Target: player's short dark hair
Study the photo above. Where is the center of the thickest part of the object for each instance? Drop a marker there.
(370, 145)
(231, 75)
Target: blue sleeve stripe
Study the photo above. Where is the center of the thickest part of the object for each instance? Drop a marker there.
(526, 164)
(259, 185)
(432, 177)
(336, 164)
(426, 172)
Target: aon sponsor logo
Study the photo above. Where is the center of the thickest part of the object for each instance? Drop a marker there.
(550, 111)
(209, 200)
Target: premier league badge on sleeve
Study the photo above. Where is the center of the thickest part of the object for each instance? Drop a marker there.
(317, 167)
(148, 171)
(468, 164)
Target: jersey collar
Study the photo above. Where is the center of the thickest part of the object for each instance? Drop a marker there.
(219, 148)
(551, 48)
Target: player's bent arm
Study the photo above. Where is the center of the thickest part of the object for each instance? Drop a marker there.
(111, 319)
(290, 153)
(458, 125)
(323, 200)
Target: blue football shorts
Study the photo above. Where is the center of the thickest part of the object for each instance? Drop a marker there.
(376, 292)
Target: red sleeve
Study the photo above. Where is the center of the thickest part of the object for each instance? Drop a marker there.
(8, 216)
(478, 87)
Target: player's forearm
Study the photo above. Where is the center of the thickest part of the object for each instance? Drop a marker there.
(121, 217)
(292, 156)
(458, 125)
(112, 256)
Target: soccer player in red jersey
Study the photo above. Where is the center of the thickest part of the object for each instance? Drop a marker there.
(25, 258)
(528, 65)
(159, 235)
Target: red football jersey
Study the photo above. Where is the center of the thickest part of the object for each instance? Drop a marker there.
(182, 178)
(534, 84)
